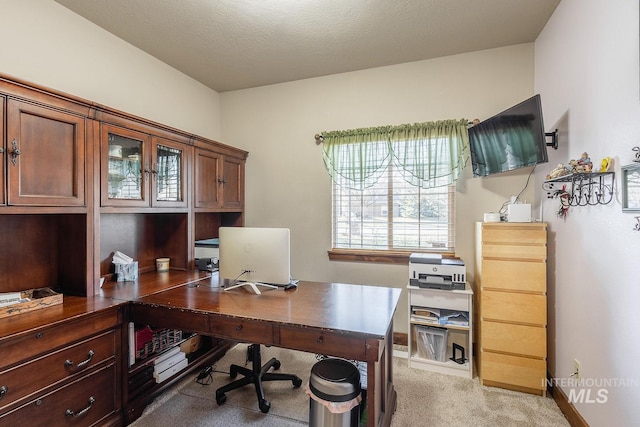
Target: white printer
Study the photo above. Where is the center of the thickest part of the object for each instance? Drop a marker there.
(435, 272)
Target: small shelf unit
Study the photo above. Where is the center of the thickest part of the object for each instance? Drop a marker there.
(584, 189)
(462, 336)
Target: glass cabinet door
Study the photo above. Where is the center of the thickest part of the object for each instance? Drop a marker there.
(125, 163)
(168, 173)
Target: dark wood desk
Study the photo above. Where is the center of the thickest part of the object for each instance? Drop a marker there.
(342, 320)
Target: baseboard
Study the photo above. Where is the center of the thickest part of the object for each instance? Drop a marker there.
(570, 412)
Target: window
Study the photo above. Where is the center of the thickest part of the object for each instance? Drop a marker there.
(394, 215)
(394, 187)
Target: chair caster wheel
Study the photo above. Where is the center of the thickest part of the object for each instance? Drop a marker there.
(221, 398)
(297, 383)
(276, 365)
(264, 406)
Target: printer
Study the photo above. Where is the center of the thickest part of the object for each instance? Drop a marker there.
(207, 254)
(434, 272)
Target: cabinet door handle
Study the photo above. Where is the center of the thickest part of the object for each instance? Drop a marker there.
(3, 391)
(69, 364)
(71, 413)
(221, 180)
(15, 151)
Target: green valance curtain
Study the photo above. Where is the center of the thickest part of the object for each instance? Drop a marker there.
(428, 155)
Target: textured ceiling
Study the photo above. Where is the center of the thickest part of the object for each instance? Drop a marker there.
(238, 44)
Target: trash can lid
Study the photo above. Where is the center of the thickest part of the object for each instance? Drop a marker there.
(335, 380)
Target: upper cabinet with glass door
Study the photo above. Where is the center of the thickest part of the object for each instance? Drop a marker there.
(140, 170)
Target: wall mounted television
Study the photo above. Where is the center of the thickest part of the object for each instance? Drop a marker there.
(510, 140)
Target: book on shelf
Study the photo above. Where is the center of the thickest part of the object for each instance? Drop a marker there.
(426, 313)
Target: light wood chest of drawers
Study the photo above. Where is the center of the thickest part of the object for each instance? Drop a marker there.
(511, 283)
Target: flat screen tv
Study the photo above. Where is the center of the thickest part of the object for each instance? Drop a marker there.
(253, 256)
(512, 139)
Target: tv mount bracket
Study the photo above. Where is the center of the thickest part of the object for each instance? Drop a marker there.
(554, 139)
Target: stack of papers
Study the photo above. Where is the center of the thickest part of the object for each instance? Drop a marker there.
(441, 316)
(9, 298)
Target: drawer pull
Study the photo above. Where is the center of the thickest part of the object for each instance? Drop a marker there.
(69, 364)
(320, 339)
(239, 328)
(70, 413)
(3, 391)
(39, 335)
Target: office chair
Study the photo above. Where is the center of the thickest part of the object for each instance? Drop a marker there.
(256, 375)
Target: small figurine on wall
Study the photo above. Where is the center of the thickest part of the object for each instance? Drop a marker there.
(605, 164)
(565, 201)
(585, 162)
(559, 171)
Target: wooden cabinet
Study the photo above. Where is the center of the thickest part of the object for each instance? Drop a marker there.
(219, 181)
(79, 181)
(68, 374)
(511, 273)
(44, 156)
(442, 302)
(142, 170)
(3, 150)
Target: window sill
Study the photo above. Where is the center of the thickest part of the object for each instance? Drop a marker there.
(382, 257)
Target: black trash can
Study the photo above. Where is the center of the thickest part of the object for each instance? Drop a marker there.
(334, 388)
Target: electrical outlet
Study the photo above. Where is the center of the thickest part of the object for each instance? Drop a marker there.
(577, 370)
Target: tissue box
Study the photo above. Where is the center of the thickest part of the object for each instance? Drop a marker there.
(127, 272)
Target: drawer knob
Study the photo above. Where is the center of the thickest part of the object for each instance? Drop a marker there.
(3, 391)
(320, 339)
(239, 328)
(71, 413)
(39, 335)
(69, 363)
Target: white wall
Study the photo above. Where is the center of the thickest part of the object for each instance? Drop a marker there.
(46, 44)
(586, 69)
(288, 186)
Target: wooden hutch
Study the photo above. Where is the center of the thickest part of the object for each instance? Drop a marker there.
(80, 181)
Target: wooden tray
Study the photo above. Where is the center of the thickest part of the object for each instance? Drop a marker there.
(39, 298)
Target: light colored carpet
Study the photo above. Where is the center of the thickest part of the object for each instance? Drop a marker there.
(424, 399)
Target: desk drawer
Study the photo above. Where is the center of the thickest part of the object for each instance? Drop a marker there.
(28, 378)
(91, 399)
(514, 233)
(242, 330)
(514, 370)
(515, 339)
(323, 342)
(46, 339)
(439, 299)
(514, 307)
(528, 276)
